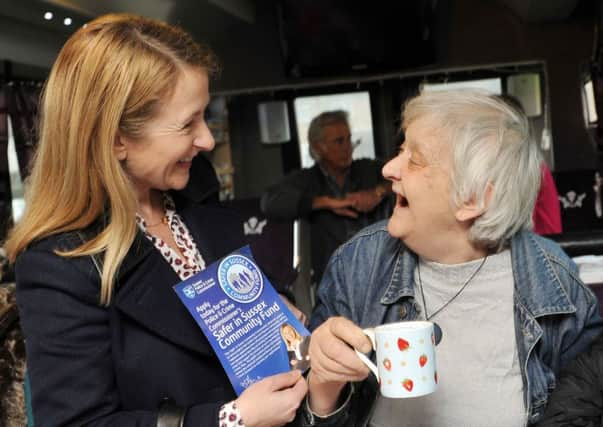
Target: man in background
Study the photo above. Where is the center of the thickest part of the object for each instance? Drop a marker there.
(338, 196)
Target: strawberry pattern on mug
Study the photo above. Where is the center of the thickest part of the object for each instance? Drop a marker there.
(403, 345)
(407, 364)
(387, 364)
(422, 360)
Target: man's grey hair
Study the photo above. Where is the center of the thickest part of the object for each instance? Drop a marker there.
(491, 145)
(318, 123)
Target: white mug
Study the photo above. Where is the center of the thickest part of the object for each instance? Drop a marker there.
(406, 360)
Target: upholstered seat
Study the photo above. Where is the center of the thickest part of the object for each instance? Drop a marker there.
(12, 361)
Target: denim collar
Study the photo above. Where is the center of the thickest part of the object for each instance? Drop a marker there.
(401, 282)
(537, 286)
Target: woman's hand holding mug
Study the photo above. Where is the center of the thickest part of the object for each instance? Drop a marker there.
(406, 361)
(334, 362)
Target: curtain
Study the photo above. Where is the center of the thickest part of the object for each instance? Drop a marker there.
(5, 193)
(22, 103)
(19, 100)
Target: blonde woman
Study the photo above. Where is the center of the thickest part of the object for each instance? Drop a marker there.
(292, 340)
(297, 348)
(102, 243)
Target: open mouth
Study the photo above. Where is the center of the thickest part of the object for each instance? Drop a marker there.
(402, 201)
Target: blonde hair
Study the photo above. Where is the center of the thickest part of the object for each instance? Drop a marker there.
(298, 337)
(110, 77)
(491, 145)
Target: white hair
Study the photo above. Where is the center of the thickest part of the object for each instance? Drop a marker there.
(317, 125)
(492, 147)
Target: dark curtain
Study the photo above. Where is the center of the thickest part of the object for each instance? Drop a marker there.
(22, 100)
(5, 193)
(19, 100)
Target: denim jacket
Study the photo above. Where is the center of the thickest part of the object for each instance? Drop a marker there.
(370, 280)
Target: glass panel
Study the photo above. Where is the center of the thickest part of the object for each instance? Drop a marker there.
(16, 185)
(588, 95)
(491, 85)
(358, 106)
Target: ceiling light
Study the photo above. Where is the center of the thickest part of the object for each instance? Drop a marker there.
(48, 16)
(67, 21)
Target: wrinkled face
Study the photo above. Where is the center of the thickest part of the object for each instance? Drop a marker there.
(420, 176)
(335, 150)
(161, 159)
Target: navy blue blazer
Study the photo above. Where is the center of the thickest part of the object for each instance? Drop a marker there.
(111, 366)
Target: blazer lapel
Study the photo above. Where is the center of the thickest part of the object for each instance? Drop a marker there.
(145, 294)
(203, 240)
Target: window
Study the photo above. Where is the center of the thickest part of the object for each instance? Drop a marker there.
(493, 85)
(588, 101)
(16, 185)
(525, 88)
(358, 106)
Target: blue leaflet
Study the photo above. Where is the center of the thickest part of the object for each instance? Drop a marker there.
(244, 319)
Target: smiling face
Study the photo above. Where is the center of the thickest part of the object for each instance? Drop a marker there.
(289, 334)
(161, 158)
(424, 217)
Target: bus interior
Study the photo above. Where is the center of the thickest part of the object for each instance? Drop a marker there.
(284, 61)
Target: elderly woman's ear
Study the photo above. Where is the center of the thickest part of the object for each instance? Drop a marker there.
(472, 209)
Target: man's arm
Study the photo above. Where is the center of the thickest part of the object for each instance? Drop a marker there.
(295, 197)
(341, 207)
(368, 172)
(367, 200)
(290, 198)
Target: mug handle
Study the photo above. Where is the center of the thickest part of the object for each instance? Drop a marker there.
(370, 333)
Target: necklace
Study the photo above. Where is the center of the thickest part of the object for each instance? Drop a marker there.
(164, 220)
(437, 331)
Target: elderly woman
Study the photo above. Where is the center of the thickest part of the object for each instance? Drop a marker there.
(457, 251)
(102, 242)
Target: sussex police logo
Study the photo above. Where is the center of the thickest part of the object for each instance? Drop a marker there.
(240, 278)
(189, 291)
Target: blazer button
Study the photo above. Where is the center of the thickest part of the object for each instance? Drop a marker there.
(402, 311)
